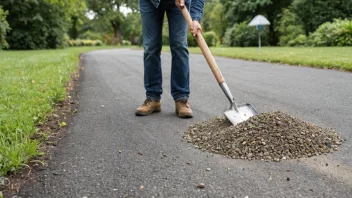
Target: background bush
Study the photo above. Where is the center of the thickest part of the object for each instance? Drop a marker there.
(191, 40)
(89, 35)
(35, 24)
(210, 38)
(4, 28)
(336, 33)
(126, 43)
(166, 40)
(290, 29)
(80, 43)
(244, 36)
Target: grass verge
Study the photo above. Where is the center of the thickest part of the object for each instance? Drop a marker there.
(339, 58)
(32, 82)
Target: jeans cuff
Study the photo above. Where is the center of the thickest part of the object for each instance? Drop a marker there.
(181, 98)
(153, 98)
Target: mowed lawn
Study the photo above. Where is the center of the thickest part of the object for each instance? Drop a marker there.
(322, 57)
(32, 82)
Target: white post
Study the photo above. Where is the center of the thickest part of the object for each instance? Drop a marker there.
(259, 41)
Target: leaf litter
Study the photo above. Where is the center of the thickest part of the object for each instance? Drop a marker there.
(272, 136)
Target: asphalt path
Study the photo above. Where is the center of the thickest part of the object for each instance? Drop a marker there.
(109, 152)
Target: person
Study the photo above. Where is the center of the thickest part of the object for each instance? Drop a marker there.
(152, 15)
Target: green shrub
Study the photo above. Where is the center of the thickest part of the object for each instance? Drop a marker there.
(290, 28)
(35, 24)
(243, 35)
(166, 40)
(210, 38)
(191, 40)
(4, 28)
(79, 43)
(126, 43)
(336, 33)
(344, 34)
(301, 40)
(88, 35)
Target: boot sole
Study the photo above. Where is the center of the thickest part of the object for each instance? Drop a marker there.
(184, 115)
(147, 113)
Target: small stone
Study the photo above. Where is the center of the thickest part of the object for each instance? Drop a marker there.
(284, 158)
(120, 151)
(288, 179)
(141, 188)
(208, 169)
(201, 185)
(276, 159)
(188, 162)
(102, 106)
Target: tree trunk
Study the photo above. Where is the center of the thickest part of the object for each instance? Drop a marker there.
(117, 33)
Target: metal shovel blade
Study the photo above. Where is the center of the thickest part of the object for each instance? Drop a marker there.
(244, 112)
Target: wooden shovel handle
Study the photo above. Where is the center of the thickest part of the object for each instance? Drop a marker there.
(205, 49)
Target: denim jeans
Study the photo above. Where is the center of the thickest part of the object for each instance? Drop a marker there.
(152, 22)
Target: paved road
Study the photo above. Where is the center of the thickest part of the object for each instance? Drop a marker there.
(87, 162)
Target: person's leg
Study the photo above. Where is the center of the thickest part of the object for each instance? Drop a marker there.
(179, 50)
(180, 61)
(152, 21)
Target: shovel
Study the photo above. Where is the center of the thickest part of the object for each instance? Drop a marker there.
(236, 113)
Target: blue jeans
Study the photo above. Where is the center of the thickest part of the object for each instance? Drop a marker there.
(152, 22)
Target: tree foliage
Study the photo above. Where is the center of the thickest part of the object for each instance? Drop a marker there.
(39, 24)
(244, 36)
(237, 11)
(109, 12)
(336, 33)
(4, 28)
(289, 28)
(313, 13)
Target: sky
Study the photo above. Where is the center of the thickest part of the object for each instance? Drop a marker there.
(123, 9)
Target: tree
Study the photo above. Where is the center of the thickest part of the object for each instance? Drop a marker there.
(313, 13)
(132, 26)
(217, 20)
(289, 27)
(108, 11)
(4, 28)
(39, 24)
(237, 11)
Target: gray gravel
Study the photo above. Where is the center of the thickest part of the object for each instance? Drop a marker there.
(153, 158)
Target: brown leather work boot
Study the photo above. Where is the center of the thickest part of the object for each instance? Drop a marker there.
(183, 109)
(149, 106)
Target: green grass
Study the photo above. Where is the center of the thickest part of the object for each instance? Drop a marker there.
(31, 82)
(322, 57)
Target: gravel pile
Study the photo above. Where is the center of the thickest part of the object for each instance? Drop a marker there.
(270, 136)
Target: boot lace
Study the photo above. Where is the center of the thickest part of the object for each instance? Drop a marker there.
(147, 101)
(183, 103)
